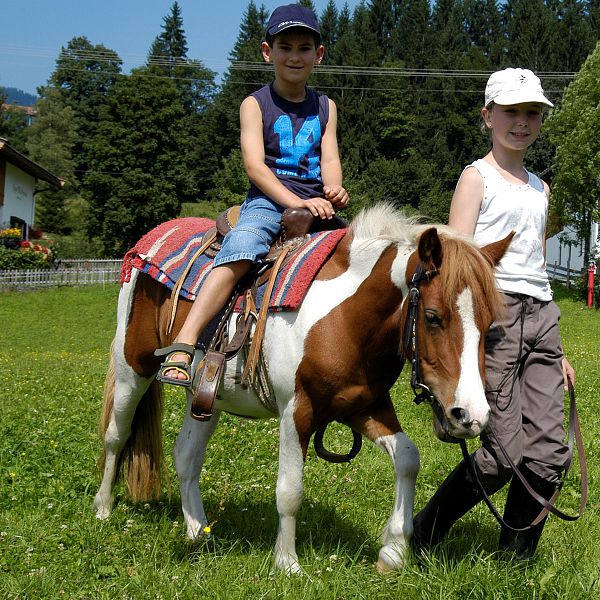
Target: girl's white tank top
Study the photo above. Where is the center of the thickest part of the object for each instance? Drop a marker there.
(521, 208)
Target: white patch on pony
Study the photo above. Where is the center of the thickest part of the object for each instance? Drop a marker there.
(470, 394)
(286, 332)
(290, 490)
(399, 528)
(399, 266)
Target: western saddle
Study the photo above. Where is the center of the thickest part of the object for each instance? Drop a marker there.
(297, 225)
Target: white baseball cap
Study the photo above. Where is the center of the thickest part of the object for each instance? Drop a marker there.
(514, 86)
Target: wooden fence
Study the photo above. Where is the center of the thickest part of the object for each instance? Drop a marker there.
(564, 275)
(100, 271)
(68, 272)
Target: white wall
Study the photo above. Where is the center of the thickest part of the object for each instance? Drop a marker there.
(18, 196)
(558, 252)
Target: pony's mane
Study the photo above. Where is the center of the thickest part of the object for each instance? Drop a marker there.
(383, 221)
(463, 263)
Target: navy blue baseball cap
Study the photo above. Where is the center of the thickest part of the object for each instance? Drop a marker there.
(292, 15)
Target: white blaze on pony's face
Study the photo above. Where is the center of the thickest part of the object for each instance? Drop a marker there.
(470, 395)
(457, 302)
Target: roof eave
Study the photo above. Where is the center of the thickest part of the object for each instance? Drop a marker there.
(26, 164)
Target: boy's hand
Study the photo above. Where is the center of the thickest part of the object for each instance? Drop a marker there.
(319, 207)
(337, 195)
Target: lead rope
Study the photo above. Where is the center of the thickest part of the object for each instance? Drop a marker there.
(548, 506)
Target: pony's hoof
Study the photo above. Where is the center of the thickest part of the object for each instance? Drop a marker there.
(198, 532)
(289, 566)
(391, 558)
(383, 568)
(101, 508)
(102, 513)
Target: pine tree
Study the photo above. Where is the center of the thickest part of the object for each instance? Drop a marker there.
(329, 26)
(383, 20)
(593, 14)
(168, 58)
(573, 34)
(171, 45)
(533, 47)
(484, 28)
(411, 38)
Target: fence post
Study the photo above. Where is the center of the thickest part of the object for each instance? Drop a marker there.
(591, 273)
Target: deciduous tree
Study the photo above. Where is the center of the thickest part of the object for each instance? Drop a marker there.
(140, 169)
(573, 127)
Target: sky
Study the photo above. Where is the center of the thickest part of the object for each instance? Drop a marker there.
(32, 32)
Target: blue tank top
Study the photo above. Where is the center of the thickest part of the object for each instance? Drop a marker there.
(292, 133)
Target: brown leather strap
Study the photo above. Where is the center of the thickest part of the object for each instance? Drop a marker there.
(259, 331)
(548, 505)
(243, 325)
(212, 366)
(207, 241)
(206, 389)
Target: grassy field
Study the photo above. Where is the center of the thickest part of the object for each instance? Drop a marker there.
(53, 356)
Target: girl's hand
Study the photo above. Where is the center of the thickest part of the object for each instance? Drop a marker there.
(568, 373)
(337, 195)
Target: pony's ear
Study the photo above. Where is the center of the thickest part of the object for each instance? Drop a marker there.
(430, 249)
(495, 251)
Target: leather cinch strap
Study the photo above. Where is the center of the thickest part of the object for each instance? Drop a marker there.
(259, 332)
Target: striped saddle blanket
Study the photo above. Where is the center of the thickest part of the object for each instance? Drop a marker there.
(164, 253)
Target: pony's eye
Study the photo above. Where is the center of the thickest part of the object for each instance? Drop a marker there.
(432, 318)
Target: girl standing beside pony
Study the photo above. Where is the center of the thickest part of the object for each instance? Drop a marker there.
(525, 365)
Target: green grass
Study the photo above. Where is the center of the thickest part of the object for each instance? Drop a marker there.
(53, 356)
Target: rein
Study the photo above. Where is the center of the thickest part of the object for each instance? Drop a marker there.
(547, 505)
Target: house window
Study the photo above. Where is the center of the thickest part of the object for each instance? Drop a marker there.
(22, 225)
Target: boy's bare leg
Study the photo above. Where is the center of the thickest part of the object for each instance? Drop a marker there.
(215, 291)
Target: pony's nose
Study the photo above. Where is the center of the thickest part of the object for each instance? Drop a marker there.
(461, 416)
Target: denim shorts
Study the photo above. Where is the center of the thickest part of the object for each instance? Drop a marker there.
(258, 227)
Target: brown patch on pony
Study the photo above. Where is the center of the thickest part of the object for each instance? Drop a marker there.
(333, 381)
(148, 321)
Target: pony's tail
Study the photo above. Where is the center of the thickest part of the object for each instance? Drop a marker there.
(141, 458)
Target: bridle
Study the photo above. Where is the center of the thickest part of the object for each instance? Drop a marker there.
(424, 394)
(411, 343)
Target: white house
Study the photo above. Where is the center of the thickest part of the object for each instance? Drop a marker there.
(566, 250)
(19, 177)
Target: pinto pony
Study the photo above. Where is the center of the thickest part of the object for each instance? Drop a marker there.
(335, 359)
